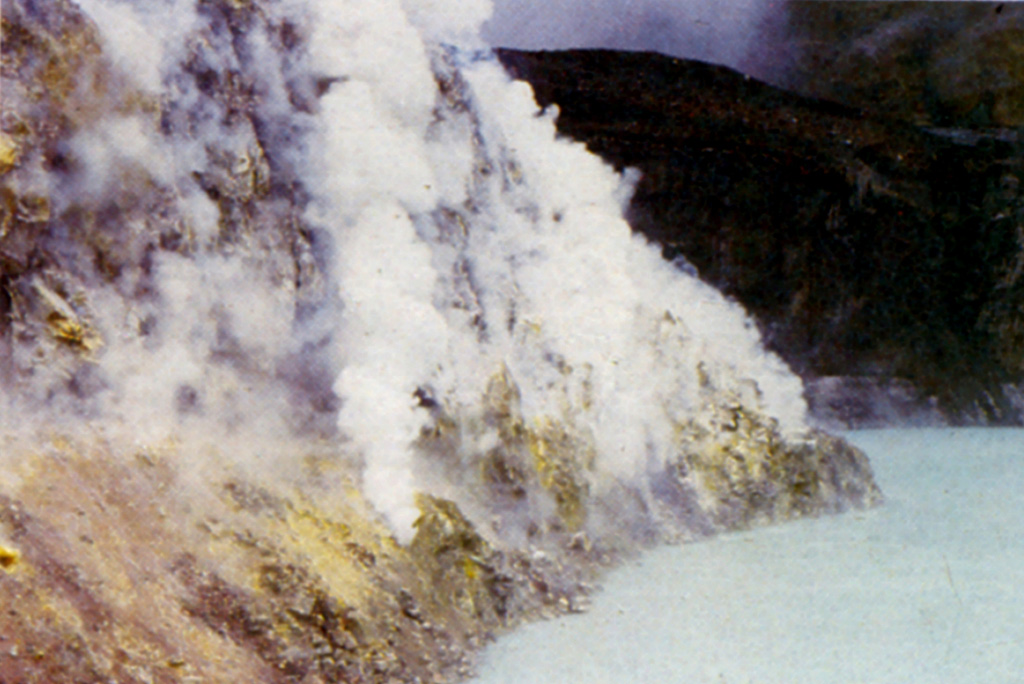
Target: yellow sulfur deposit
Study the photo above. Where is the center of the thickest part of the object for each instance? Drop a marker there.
(8, 153)
(9, 557)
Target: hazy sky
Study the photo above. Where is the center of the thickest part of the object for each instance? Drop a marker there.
(719, 31)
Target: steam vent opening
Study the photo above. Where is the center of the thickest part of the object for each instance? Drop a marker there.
(328, 355)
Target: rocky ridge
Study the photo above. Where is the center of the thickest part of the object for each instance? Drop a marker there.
(225, 556)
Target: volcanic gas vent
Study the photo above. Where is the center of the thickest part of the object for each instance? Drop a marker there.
(307, 312)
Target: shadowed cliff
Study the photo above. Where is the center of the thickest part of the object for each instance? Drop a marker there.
(931, 63)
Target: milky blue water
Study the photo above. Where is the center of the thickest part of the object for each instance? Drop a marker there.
(928, 588)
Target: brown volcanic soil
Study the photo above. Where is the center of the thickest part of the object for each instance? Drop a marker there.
(126, 569)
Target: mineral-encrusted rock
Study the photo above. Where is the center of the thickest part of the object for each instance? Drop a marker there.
(91, 206)
(159, 269)
(742, 471)
(118, 567)
(864, 247)
(126, 565)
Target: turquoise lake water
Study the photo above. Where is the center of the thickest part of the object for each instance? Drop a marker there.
(928, 588)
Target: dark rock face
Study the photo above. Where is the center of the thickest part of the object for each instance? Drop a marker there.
(934, 63)
(864, 247)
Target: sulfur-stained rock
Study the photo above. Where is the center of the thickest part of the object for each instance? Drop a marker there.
(743, 471)
(9, 153)
(179, 499)
(152, 574)
(9, 558)
(561, 462)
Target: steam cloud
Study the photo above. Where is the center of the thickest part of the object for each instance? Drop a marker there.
(457, 235)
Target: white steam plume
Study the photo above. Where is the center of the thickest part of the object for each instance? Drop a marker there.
(456, 233)
(566, 296)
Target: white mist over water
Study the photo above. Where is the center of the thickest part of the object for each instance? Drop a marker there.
(459, 238)
(924, 589)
